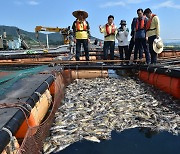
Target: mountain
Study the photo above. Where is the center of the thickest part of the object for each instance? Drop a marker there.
(30, 37)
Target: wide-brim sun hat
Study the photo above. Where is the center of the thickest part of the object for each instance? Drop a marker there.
(75, 13)
(158, 45)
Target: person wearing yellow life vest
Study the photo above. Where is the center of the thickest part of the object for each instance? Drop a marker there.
(110, 31)
(152, 32)
(81, 32)
(140, 37)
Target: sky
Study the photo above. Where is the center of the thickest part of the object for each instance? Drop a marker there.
(27, 14)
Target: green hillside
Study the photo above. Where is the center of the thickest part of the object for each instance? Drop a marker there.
(29, 37)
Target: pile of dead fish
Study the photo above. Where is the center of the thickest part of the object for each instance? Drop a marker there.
(93, 108)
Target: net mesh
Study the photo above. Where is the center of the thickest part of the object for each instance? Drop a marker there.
(33, 141)
(10, 76)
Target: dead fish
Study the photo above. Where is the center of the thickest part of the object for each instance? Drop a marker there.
(92, 138)
(58, 127)
(46, 147)
(61, 147)
(51, 150)
(93, 108)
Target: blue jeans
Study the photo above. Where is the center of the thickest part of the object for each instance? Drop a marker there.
(78, 48)
(139, 43)
(107, 45)
(152, 52)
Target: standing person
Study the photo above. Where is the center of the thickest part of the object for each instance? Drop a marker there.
(96, 41)
(132, 41)
(140, 36)
(71, 42)
(81, 33)
(109, 30)
(153, 32)
(122, 37)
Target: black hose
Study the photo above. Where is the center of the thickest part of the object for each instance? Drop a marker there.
(173, 72)
(4, 140)
(16, 121)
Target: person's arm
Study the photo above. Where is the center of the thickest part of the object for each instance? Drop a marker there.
(126, 32)
(88, 30)
(118, 36)
(74, 28)
(102, 29)
(157, 25)
(145, 23)
(74, 31)
(133, 27)
(116, 30)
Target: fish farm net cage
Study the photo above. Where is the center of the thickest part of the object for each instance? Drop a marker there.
(35, 136)
(33, 140)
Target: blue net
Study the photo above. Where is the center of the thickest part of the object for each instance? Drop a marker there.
(13, 75)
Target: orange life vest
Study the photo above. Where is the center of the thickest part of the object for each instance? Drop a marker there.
(142, 23)
(78, 25)
(148, 25)
(108, 29)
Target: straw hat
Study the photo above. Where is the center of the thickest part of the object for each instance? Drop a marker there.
(75, 13)
(158, 45)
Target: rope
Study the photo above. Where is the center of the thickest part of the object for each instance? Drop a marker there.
(53, 76)
(18, 106)
(47, 84)
(12, 140)
(8, 131)
(38, 94)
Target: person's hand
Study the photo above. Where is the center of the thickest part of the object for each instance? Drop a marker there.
(88, 40)
(100, 27)
(146, 38)
(74, 40)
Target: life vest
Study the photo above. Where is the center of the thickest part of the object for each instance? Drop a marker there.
(141, 22)
(108, 29)
(78, 25)
(148, 25)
